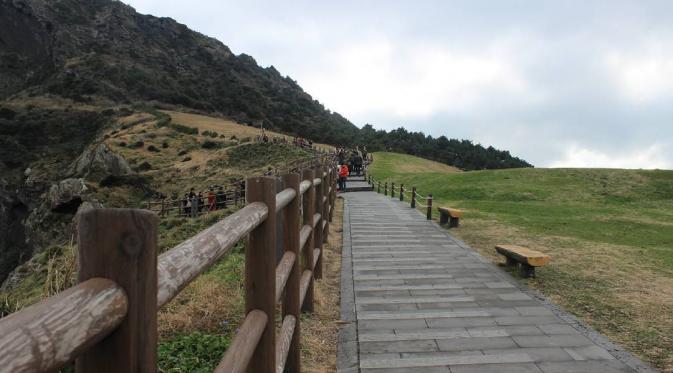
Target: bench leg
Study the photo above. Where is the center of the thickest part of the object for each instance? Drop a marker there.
(443, 219)
(454, 222)
(510, 262)
(527, 270)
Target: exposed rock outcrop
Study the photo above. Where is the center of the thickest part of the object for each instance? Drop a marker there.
(99, 162)
(67, 195)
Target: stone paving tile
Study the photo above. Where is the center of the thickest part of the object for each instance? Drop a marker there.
(425, 303)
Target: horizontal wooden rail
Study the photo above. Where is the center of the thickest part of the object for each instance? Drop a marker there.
(239, 353)
(284, 338)
(283, 198)
(85, 313)
(183, 263)
(304, 234)
(305, 282)
(303, 187)
(283, 272)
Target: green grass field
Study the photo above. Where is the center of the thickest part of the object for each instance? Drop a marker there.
(609, 232)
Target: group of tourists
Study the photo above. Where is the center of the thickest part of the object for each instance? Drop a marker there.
(296, 141)
(215, 198)
(351, 161)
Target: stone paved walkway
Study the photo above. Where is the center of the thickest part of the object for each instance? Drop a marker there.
(420, 301)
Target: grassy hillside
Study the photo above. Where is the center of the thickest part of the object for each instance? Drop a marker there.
(168, 155)
(609, 233)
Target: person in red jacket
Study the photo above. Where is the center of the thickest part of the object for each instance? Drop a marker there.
(343, 175)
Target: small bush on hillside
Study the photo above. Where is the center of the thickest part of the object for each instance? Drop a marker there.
(164, 145)
(137, 144)
(187, 159)
(212, 134)
(182, 152)
(208, 144)
(122, 144)
(153, 148)
(164, 121)
(185, 129)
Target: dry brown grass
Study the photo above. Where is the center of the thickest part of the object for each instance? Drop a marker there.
(320, 330)
(223, 126)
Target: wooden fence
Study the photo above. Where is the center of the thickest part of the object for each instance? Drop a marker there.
(108, 322)
(412, 196)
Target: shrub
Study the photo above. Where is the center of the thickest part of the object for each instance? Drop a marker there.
(182, 152)
(187, 159)
(137, 144)
(185, 129)
(145, 166)
(208, 144)
(122, 144)
(164, 145)
(153, 148)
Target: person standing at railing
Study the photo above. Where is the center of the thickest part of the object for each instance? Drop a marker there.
(211, 200)
(343, 175)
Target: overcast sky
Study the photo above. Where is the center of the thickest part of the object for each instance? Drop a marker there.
(558, 83)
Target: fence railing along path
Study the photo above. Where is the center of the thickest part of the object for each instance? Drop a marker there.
(108, 322)
(412, 196)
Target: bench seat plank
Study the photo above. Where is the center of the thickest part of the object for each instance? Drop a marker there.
(454, 213)
(524, 255)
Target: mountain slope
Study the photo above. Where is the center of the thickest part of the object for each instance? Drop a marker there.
(102, 51)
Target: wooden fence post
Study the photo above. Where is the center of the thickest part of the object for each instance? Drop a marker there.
(379, 189)
(332, 197)
(260, 272)
(319, 204)
(413, 197)
(429, 213)
(121, 245)
(401, 192)
(385, 190)
(392, 190)
(308, 208)
(291, 302)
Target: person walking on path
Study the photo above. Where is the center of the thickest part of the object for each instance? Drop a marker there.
(343, 175)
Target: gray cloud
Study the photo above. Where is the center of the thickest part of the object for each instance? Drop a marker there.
(571, 83)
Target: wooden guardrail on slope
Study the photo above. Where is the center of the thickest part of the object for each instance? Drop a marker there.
(413, 196)
(108, 322)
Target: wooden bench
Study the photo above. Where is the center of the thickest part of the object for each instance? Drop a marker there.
(449, 215)
(529, 259)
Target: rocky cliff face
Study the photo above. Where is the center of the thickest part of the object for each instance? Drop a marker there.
(37, 147)
(103, 51)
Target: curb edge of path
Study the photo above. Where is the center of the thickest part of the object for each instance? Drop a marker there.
(348, 356)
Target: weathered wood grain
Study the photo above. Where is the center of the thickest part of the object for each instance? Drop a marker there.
(284, 197)
(283, 272)
(183, 263)
(306, 280)
(238, 355)
(51, 333)
(260, 272)
(304, 235)
(303, 187)
(291, 301)
(121, 245)
(285, 336)
(308, 218)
